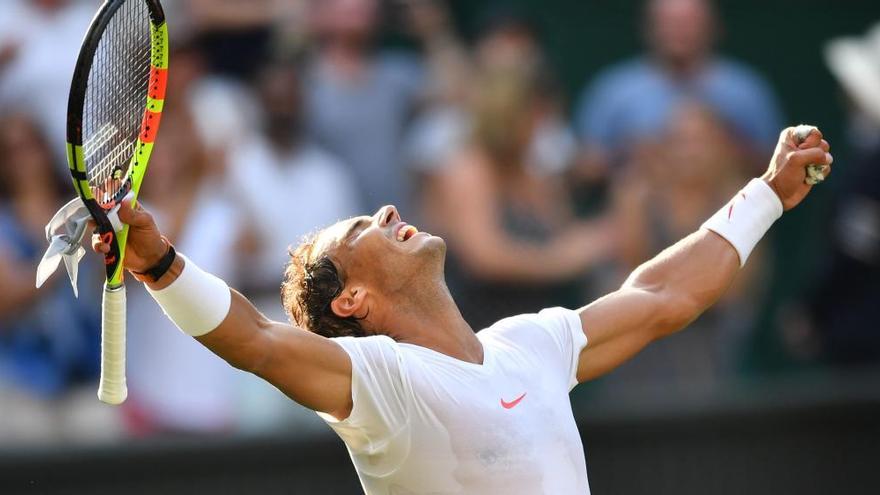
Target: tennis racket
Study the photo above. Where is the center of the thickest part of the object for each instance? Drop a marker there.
(113, 114)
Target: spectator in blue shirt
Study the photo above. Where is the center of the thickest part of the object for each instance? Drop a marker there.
(630, 102)
(48, 339)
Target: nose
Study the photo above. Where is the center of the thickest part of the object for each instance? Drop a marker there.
(387, 215)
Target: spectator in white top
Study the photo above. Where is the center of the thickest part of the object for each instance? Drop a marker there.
(39, 43)
(358, 100)
(286, 185)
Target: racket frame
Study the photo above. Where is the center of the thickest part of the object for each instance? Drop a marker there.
(113, 260)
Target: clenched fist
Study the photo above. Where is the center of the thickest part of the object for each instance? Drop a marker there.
(787, 172)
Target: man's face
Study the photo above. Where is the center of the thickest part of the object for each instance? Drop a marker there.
(353, 20)
(680, 30)
(382, 252)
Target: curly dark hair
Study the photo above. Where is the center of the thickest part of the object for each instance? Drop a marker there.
(308, 289)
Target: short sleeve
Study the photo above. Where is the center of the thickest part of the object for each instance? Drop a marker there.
(550, 341)
(566, 332)
(380, 395)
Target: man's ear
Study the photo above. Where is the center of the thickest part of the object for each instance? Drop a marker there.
(349, 302)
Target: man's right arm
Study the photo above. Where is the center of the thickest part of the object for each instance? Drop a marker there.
(310, 369)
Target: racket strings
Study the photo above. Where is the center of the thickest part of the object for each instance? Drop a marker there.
(115, 99)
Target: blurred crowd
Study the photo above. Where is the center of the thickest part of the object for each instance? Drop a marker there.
(284, 116)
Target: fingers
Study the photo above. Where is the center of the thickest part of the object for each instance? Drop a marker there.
(804, 135)
(98, 244)
(822, 144)
(135, 216)
(811, 156)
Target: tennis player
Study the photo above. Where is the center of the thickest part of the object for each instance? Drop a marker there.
(425, 405)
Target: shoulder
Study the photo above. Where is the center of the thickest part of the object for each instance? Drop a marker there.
(733, 71)
(400, 68)
(373, 355)
(621, 75)
(532, 328)
(381, 344)
(612, 88)
(549, 342)
(399, 63)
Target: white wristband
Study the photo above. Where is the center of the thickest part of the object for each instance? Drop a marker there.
(747, 217)
(197, 302)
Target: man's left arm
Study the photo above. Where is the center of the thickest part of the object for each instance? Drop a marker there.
(669, 291)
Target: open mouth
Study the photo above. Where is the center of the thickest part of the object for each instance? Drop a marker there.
(406, 232)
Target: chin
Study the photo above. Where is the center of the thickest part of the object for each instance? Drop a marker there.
(433, 243)
(431, 247)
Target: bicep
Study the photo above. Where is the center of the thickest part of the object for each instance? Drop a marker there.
(660, 297)
(617, 327)
(310, 369)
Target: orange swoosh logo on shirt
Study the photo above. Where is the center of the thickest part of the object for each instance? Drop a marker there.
(513, 403)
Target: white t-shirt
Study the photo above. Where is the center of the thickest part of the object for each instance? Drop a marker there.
(427, 423)
(287, 196)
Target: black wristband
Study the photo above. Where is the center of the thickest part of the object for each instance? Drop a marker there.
(156, 271)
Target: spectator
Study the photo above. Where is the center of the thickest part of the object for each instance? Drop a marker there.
(843, 304)
(634, 100)
(664, 194)
(507, 41)
(514, 246)
(442, 126)
(286, 183)
(358, 100)
(237, 36)
(48, 339)
(37, 59)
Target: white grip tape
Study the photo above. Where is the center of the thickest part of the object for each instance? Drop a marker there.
(112, 388)
(747, 217)
(197, 302)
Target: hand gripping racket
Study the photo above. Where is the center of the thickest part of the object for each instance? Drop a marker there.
(113, 113)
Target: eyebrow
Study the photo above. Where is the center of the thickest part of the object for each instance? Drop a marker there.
(351, 230)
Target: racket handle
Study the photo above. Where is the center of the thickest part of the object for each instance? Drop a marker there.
(112, 388)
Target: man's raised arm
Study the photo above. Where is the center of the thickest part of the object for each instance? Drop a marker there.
(310, 369)
(666, 293)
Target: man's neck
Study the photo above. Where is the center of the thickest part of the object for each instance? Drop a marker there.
(430, 318)
(682, 69)
(344, 58)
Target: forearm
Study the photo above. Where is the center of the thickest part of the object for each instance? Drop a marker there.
(692, 275)
(242, 339)
(660, 297)
(687, 278)
(666, 293)
(308, 368)
(239, 338)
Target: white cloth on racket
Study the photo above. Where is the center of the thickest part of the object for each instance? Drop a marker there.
(64, 233)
